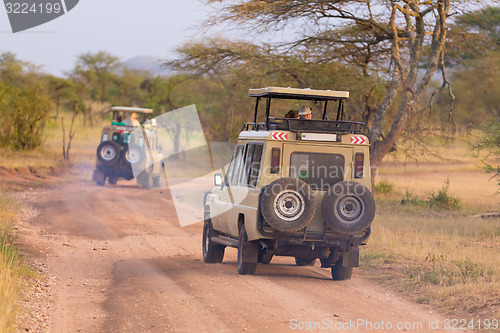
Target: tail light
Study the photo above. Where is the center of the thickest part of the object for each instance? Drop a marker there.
(275, 160)
(359, 160)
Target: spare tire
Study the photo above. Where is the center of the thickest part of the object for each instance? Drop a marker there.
(108, 152)
(136, 156)
(287, 204)
(348, 207)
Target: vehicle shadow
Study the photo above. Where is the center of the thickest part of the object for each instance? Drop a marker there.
(177, 267)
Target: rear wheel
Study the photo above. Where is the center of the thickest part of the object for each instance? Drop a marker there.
(340, 273)
(212, 252)
(305, 262)
(100, 177)
(144, 179)
(157, 181)
(246, 250)
(112, 179)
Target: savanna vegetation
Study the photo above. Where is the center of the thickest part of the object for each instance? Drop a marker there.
(423, 76)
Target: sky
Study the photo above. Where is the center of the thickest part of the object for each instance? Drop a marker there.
(125, 28)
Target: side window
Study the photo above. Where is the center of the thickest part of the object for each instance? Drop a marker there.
(248, 162)
(235, 171)
(254, 169)
(250, 173)
(229, 170)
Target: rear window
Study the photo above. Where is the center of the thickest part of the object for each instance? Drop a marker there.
(318, 170)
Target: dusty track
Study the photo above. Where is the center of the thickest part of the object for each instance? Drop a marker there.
(121, 262)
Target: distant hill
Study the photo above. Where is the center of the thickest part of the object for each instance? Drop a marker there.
(147, 63)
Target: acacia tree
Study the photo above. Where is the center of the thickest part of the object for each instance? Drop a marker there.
(396, 40)
(96, 72)
(224, 70)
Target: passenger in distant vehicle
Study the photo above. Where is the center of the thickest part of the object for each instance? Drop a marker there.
(118, 121)
(292, 114)
(305, 112)
(132, 121)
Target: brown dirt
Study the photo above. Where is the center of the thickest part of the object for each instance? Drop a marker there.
(115, 259)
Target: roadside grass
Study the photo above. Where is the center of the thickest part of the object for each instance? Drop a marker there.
(426, 241)
(449, 261)
(33, 169)
(13, 272)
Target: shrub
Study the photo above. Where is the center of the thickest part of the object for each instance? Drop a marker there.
(24, 110)
(440, 200)
(383, 187)
(443, 199)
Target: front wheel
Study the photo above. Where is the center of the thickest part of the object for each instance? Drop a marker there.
(212, 252)
(246, 252)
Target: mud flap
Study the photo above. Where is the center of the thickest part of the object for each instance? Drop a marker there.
(351, 258)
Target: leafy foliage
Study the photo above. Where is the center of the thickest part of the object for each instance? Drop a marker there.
(24, 111)
(383, 187)
(489, 142)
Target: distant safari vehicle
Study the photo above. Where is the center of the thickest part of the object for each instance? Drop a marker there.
(297, 187)
(115, 153)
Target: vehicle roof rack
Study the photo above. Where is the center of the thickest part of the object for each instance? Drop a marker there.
(129, 109)
(314, 125)
(295, 93)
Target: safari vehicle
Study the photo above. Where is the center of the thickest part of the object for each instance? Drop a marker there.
(116, 154)
(294, 187)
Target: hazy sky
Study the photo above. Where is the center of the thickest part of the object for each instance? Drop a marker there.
(125, 28)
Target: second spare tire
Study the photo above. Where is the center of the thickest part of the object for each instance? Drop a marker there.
(287, 204)
(348, 207)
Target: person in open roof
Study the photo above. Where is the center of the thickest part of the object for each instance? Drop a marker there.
(305, 112)
(132, 121)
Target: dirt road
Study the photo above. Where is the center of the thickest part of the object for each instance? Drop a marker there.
(119, 261)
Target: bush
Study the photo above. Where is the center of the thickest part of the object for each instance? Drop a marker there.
(441, 200)
(23, 110)
(489, 142)
(383, 187)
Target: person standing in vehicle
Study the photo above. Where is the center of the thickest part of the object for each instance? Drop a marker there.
(305, 112)
(132, 121)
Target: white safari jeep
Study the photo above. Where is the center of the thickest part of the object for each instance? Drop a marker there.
(294, 187)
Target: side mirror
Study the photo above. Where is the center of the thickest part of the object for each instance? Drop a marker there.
(218, 179)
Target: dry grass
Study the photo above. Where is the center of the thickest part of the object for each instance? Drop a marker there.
(45, 159)
(12, 273)
(448, 259)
